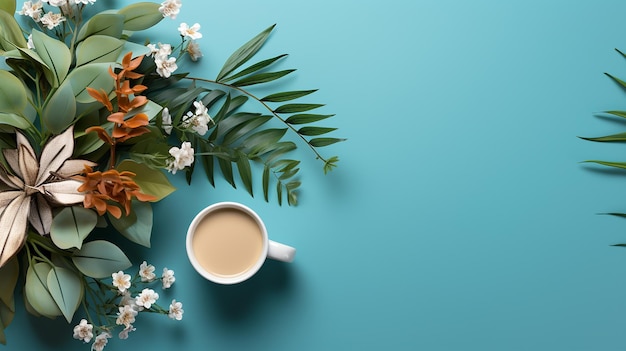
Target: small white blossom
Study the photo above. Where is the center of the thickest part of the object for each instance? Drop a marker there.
(126, 316)
(57, 3)
(193, 49)
(168, 278)
(183, 157)
(124, 333)
(127, 299)
(165, 67)
(121, 281)
(170, 8)
(51, 20)
(176, 310)
(191, 32)
(146, 272)
(32, 10)
(146, 298)
(84, 331)
(160, 52)
(166, 120)
(85, 2)
(100, 342)
(199, 121)
(30, 45)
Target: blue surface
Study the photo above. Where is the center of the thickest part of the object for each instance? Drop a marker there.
(460, 217)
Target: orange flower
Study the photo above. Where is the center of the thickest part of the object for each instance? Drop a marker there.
(130, 128)
(103, 189)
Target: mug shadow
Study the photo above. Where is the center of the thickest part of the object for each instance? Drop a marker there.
(238, 302)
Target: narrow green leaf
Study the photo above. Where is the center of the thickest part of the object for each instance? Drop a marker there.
(66, 289)
(98, 48)
(137, 226)
(60, 110)
(279, 193)
(54, 53)
(13, 120)
(71, 226)
(151, 181)
(13, 98)
(227, 171)
(292, 198)
(618, 113)
(266, 182)
(609, 164)
(619, 245)
(287, 96)
(244, 128)
(609, 138)
(11, 36)
(263, 138)
(208, 162)
(321, 142)
(244, 53)
(8, 6)
(236, 103)
(295, 108)
(100, 259)
(330, 164)
(108, 24)
(212, 97)
(141, 15)
(221, 114)
(312, 131)
(256, 67)
(36, 290)
(261, 78)
(245, 173)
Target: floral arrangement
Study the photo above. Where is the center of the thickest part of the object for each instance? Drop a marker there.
(620, 137)
(91, 123)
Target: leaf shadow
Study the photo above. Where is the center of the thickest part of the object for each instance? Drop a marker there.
(612, 171)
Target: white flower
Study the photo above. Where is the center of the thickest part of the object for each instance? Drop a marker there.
(165, 67)
(126, 316)
(161, 52)
(32, 10)
(176, 310)
(127, 299)
(100, 342)
(168, 278)
(183, 157)
(193, 49)
(199, 121)
(191, 32)
(56, 3)
(146, 272)
(146, 298)
(166, 120)
(30, 45)
(51, 20)
(121, 281)
(84, 331)
(124, 333)
(170, 8)
(85, 2)
(200, 108)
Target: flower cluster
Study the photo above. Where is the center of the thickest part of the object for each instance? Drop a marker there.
(129, 297)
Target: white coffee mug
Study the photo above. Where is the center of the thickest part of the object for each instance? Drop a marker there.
(227, 243)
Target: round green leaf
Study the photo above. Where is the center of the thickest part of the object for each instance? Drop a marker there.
(98, 48)
(137, 226)
(60, 110)
(92, 75)
(151, 181)
(109, 24)
(66, 289)
(54, 53)
(36, 290)
(100, 259)
(71, 226)
(11, 36)
(13, 98)
(141, 15)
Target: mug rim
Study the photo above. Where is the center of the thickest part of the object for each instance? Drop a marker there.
(226, 279)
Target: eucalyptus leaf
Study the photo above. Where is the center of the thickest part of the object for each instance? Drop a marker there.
(60, 110)
(92, 75)
(295, 108)
(137, 226)
(261, 78)
(37, 292)
(287, 96)
(54, 53)
(13, 97)
(66, 289)
(98, 48)
(151, 181)
(71, 226)
(244, 53)
(11, 36)
(256, 67)
(99, 259)
(108, 24)
(141, 15)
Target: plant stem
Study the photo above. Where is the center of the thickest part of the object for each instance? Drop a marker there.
(249, 94)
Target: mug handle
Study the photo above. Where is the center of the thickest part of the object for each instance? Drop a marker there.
(280, 252)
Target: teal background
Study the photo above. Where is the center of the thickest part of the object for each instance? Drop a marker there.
(460, 217)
